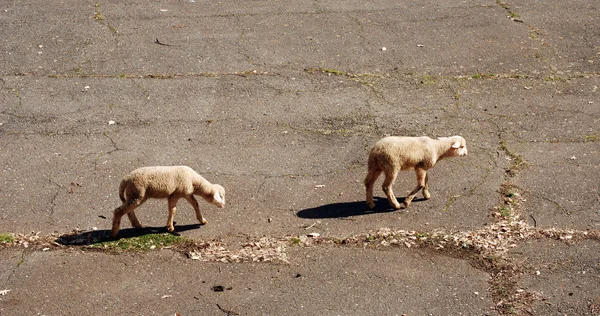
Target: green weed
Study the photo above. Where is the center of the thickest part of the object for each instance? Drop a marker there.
(513, 15)
(518, 162)
(141, 243)
(6, 238)
(428, 80)
(505, 212)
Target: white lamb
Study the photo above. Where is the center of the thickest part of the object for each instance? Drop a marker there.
(170, 183)
(392, 154)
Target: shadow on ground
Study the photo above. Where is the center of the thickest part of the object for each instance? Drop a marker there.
(88, 238)
(348, 209)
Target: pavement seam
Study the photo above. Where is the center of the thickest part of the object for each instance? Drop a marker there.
(368, 79)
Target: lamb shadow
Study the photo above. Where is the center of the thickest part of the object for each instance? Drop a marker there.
(87, 238)
(348, 209)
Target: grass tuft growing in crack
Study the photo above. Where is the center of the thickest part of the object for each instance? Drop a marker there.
(449, 203)
(6, 238)
(139, 244)
(517, 161)
(591, 138)
(428, 80)
(511, 198)
(99, 17)
(511, 14)
(336, 72)
(483, 76)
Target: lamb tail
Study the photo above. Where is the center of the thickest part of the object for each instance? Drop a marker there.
(122, 191)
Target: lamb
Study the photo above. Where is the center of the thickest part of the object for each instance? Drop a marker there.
(392, 154)
(170, 183)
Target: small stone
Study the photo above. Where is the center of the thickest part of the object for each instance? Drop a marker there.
(384, 231)
(194, 255)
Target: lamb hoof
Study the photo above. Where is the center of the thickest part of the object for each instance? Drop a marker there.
(408, 200)
(203, 222)
(396, 205)
(426, 195)
(371, 206)
(171, 229)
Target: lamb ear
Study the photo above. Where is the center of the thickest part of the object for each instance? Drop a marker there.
(456, 145)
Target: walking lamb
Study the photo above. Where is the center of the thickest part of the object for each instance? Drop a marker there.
(171, 183)
(392, 154)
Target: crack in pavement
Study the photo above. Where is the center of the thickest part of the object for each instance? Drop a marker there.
(102, 154)
(53, 199)
(100, 18)
(16, 93)
(16, 267)
(535, 33)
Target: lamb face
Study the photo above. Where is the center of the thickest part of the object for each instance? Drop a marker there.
(459, 147)
(218, 197)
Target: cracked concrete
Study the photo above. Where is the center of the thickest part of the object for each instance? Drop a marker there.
(281, 103)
